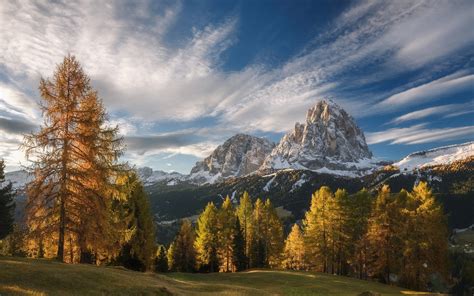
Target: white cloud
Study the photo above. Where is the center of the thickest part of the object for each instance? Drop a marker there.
(419, 134)
(436, 89)
(445, 110)
(140, 75)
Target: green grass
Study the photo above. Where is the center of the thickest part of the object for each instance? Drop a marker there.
(21, 276)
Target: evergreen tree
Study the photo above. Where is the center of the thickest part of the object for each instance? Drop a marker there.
(207, 240)
(383, 236)
(161, 260)
(74, 159)
(139, 250)
(181, 254)
(294, 253)
(425, 238)
(239, 258)
(226, 223)
(7, 205)
(245, 212)
(317, 230)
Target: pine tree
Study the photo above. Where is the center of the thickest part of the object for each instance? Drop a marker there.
(239, 258)
(161, 260)
(383, 235)
(317, 230)
(226, 223)
(207, 239)
(74, 158)
(245, 212)
(294, 253)
(425, 238)
(181, 254)
(7, 205)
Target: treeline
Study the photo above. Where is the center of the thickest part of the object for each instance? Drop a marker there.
(394, 237)
(83, 205)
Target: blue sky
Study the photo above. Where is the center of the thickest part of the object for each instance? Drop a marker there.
(180, 77)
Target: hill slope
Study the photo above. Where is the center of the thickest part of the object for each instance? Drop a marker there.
(20, 276)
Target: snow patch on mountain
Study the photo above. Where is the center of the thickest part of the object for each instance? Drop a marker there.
(437, 156)
(267, 186)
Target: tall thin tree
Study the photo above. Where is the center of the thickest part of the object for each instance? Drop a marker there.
(74, 158)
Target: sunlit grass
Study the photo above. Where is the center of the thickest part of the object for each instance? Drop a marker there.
(21, 276)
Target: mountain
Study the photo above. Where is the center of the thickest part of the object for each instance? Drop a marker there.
(435, 157)
(148, 176)
(452, 181)
(238, 156)
(329, 141)
(18, 178)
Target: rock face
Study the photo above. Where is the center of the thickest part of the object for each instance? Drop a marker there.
(238, 156)
(329, 139)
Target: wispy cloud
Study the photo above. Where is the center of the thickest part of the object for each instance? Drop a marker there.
(439, 88)
(419, 134)
(148, 80)
(444, 110)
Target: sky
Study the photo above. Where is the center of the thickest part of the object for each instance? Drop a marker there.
(180, 77)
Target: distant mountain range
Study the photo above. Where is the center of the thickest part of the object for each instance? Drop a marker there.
(327, 149)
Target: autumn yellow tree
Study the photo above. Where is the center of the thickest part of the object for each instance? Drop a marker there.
(294, 253)
(226, 223)
(358, 210)
(317, 230)
(384, 236)
(425, 248)
(181, 253)
(207, 239)
(245, 212)
(274, 237)
(74, 160)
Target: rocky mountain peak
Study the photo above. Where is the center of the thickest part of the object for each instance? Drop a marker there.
(240, 155)
(329, 138)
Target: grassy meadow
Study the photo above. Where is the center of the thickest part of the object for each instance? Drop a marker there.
(22, 276)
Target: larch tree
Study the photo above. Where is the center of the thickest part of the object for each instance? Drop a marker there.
(74, 160)
(359, 209)
(425, 249)
(181, 253)
(317, 230)
(294, 252)
(7, 205)
(341, 228)
(226, 222)
(258, 255)
(274, 239)
(383, 236)
(207, 239)
(245, 212)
